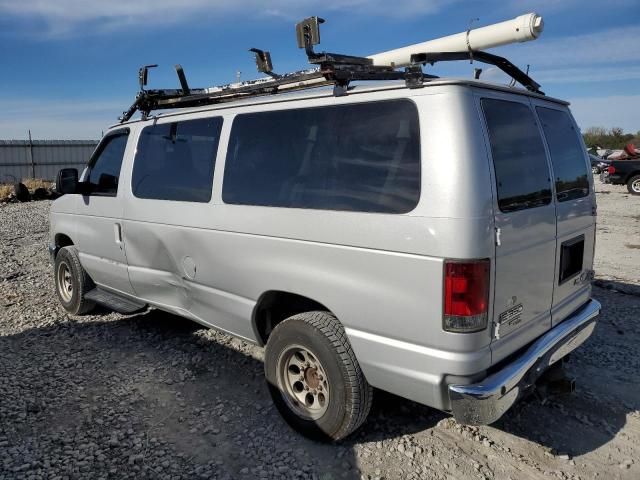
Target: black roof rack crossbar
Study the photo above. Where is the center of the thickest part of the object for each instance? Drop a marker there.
(502, 63)
(338, 75)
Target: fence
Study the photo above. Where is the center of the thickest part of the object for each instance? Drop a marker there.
(41, 158)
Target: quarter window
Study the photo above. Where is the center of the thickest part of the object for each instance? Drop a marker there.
(519, 159)
(104, 172)
(360, 157)
(567, 154)
(175, 161)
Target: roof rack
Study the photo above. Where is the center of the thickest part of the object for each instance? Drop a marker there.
(334, 69)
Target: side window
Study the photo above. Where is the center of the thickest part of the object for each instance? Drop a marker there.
(519, 159)
(104, 172)
(567, 154)
(360, 157)
(175, 161)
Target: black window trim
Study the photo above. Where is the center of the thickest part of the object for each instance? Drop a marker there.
(360, 102)
(216, 159)
(94, 158)
(556, 198)
(532, 108)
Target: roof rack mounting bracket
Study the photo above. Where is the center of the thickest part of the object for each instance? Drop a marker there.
(477, 55)
(413, 76)
(263, 62)
(308, 34)
(183, 79)
(143, 75)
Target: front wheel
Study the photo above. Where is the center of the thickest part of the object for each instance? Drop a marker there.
(314, 378)
(633, 185)
(72, 282)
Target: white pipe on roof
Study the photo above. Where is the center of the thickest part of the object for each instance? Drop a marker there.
(520, 29)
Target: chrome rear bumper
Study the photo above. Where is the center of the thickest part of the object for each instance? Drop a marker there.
(485, 402)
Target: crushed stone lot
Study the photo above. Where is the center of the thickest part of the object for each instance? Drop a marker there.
(155, 396)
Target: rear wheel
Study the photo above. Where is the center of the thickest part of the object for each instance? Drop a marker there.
(633, 185)
(72, 282)
(314, 378)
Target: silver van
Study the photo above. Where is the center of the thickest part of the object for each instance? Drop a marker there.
(434, 242)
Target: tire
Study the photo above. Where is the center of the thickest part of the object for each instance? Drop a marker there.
(633, 185)
(330, 372)
(40, 194)
(72, 282)
(22, 192)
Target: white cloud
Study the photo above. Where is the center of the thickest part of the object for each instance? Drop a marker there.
(63, 17)
(612, 111)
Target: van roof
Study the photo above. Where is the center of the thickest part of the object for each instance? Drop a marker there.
(327, 91)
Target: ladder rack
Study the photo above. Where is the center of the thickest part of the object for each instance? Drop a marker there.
(332, 69)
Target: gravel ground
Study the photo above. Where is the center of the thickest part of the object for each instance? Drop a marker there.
(156, 396)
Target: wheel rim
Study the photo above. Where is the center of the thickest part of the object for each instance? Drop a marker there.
(303, 382)
(65, 282)
(635, 186)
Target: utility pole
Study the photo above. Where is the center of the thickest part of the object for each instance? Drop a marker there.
(31, 159)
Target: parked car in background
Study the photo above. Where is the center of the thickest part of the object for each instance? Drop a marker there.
(598, 164)
(627, 172)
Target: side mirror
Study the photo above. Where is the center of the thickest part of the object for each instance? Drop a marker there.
(67, 181)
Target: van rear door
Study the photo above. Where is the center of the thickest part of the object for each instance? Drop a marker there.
(575, 207)
(525, 222)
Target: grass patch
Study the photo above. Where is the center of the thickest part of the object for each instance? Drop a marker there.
(7, 189)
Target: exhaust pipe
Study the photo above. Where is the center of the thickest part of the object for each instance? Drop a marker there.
(520, 29)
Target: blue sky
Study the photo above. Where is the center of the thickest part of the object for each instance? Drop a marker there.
(69, 67)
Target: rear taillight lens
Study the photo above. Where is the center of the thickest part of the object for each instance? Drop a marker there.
(466, 295)
(611, 170)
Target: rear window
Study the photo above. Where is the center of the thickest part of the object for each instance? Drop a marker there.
(519, 159)
(361, 157)
(175, 161)
(567, 154)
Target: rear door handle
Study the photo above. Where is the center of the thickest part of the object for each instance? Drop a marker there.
(117, 230)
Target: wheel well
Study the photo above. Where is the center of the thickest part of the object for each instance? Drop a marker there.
(632, 174)
(275, 306)
(62, 241)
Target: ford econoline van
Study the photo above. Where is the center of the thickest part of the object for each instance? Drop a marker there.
(436, 242)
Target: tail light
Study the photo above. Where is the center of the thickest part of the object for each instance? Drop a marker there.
(466, 296)
(611, 170)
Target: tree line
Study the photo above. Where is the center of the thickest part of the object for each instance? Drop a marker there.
(613, 138)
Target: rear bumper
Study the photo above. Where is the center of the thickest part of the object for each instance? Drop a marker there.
(485, 402)
(616, 179)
